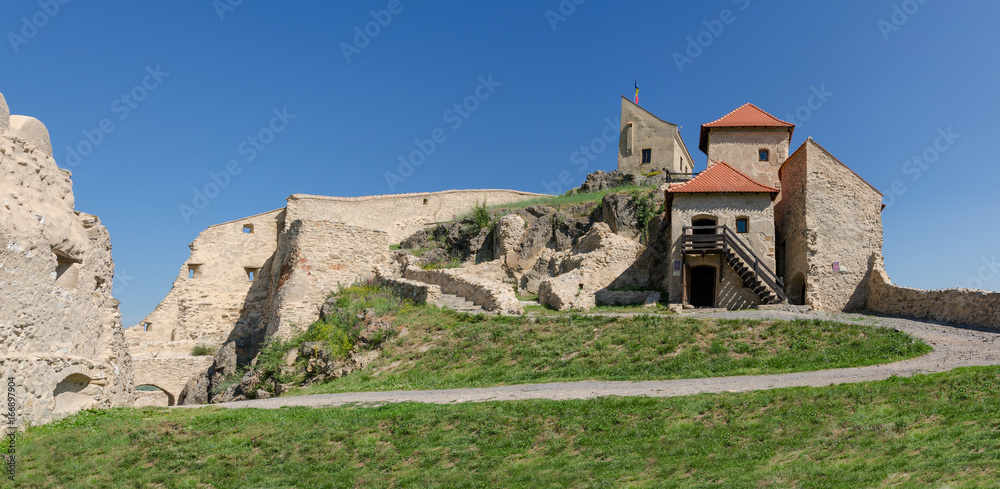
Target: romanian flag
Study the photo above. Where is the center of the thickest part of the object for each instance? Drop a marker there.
(637, 91)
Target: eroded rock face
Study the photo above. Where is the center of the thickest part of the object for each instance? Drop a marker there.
(60, 329)
(600, 259)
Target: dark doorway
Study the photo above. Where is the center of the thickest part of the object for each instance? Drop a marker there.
(703, 222)
(702, 293)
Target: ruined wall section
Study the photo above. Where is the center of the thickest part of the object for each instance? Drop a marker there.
(316, 258)
(60, 329)
(400, 215)
(956, 306)
(740, 148)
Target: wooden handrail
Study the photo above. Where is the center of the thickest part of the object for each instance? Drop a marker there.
(731, 241)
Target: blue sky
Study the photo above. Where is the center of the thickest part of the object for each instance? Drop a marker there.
(895, 75)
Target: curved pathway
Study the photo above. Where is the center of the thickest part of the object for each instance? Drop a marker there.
(954, 346)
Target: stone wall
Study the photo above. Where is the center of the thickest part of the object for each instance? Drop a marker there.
(740, 148)
(491, 295)
(401, 215)
(843, 226)
(724, 208)
(170, 373)
(315, 258)
(794, 236)
(640, 130)
(956, 306)
(60, 329)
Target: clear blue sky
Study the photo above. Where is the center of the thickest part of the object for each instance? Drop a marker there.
(221, 79)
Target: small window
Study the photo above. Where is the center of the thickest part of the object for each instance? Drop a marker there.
(248, 229)
(67, 272)
(742, 225)
(426, 201)
(146, 326)
(764, 155)
(647, 156)
(252, 273)
(194, 271)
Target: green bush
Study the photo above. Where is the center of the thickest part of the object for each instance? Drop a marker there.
(481, 216)
(202, 351)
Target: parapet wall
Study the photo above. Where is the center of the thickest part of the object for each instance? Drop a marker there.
(956, 306)
(401, 215)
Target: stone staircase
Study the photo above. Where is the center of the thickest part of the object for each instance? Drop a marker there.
(458, 304)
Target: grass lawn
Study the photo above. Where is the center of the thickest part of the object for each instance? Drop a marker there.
(442, 349)
(940, 430)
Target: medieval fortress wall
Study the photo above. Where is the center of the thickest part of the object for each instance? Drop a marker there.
(298, 255)
(60, 329)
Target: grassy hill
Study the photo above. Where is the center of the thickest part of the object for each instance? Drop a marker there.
(927, 431)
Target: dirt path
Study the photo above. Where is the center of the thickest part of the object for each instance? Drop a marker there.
(953, 347)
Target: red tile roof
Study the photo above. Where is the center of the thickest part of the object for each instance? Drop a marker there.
(748, 115)
(719, 178)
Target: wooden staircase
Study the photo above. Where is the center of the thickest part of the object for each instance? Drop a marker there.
(720, 240)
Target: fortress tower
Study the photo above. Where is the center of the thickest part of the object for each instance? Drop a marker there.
(751, 140)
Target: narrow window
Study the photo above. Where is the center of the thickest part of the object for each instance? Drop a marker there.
(647, 156)
(252, 273)
(194, 271)
(764, 155)
(742, 225)
(248, 229)
(426, 202)
(628, 139)
(146, 326)
(67, 272)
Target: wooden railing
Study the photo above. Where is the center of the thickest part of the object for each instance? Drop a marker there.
(721, 239)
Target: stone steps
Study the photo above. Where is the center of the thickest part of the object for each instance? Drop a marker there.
(458, 304)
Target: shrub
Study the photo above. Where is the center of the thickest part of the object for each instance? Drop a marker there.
(481, 216)
(202, 351)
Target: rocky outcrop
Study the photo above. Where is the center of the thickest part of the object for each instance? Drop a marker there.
(600, 259)
(600, 180)
(60, 329)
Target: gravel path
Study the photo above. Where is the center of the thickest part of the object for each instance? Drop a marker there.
(953, 347)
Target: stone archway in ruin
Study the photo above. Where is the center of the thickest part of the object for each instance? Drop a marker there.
(148, 394)
(73, 393)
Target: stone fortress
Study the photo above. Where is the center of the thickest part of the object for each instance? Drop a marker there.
(61, 337)
(760, 227)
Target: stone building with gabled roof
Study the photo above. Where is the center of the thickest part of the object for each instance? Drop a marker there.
(650, 143)
(762, 226)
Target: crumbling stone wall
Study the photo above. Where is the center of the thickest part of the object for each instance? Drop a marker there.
(842, 225)
(60, 329)
(957, 306)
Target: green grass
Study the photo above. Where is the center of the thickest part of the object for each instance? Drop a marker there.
(936, 430)
(442, 349)
(202, 350)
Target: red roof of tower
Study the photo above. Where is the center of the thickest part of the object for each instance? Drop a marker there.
(747, 115)
(720, 178)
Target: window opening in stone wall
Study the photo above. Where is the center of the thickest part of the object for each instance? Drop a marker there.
(194, 270)
(627, 147)
(248, 229)
(67, 271)
(764, 155)
(146, 326)
(647, 156)
(252, 273)
(426, 202)
(742, 225)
